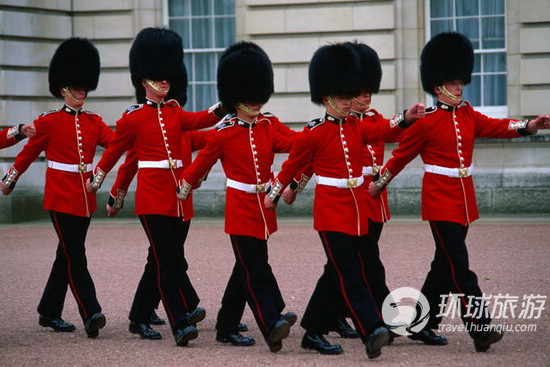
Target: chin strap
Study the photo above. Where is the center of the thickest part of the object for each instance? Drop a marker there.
(444, 90)
(153, 85)
(250, 111)
(336, 108)
(72, 96)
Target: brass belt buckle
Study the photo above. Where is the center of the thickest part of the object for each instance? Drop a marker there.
(462, 172)
(82, 167)
(172, 164)
(260, 188)
(375, 169)
(352, 182)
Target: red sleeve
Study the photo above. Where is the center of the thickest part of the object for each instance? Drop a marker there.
(283, 138)
(125, 173)
(36, 145)
(487, 127)
(198, 139)
(411, 144)
(6, 141)
(301, 155)
(105, 135)
(122, 140)
(206, 158)
(197, 120)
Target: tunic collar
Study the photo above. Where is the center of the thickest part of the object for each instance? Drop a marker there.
(71, 110)
(335, 120)
(156, 105)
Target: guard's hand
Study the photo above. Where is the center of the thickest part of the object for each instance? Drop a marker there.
(89, 186)
(5, 190)
(289, 196)
(111, 212)
(541, 122)
(28, 130)
(415, 112)
(269, 204)
(373, 190)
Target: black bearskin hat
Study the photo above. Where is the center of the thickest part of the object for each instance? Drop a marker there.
(156, 54)
(75, 63)
(244, 75)
(446, 57)
(371, 70)
(334, 70)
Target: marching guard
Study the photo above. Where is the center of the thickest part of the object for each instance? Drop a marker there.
(444, 139)
(69, 137)
(245, 143)
(154, 130)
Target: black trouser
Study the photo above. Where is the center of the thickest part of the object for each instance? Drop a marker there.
(251, 281)
(450, 273)
(341, 280)
(70, 268)
(165, 273)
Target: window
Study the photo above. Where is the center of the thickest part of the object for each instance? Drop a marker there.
(207, 28)
(484, 23)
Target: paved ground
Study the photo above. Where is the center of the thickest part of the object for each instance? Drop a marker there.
(509, 258)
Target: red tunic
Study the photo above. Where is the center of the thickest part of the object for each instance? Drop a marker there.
(69, 137)
(190, 142)
(10, 136)
(154, 131)
(321, 144)
(246, 152)
(373, 157)
(445, 137)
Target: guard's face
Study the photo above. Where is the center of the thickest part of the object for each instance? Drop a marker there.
(361, 103)
(248, 110)
(74, 96)
(455, 88)
(156, 90)
(338, 106)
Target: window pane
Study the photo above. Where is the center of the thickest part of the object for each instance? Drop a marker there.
(201, 7)
(494, 62)
(477, 63)
(188, 61)
(190, 105)
(441, 8)
(205, 66)
(224, 7)
(494, 90)
(178, 8)
(466, 7)
(202, 33)
(470, 28)
(225, 32)
(205, 96)
(472, 91)
(439, 26)
(492, 29)
(181, 27)
(492, 7)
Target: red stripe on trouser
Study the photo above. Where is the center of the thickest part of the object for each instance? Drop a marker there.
(367, 283)
(71, 282)
(452, 269)
(341, 281)
(168, 311)
(183, 299)
(256, 305)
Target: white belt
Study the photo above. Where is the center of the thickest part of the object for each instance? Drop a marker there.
(248, 188)
(341, 183)
(70, 167)
(166, 164)
(451, 172)
(370, 171)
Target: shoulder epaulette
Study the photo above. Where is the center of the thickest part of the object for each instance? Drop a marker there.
(268, 114)
(225, 124)
(465, 103)
(431, 109)
(50, 111)
(172, 103)
(314, 123)
(89, 112)
(372, 112)
(133, 108)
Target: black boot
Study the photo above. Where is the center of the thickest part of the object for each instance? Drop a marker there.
(345, 330)
(318, 342)
(427, 336)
